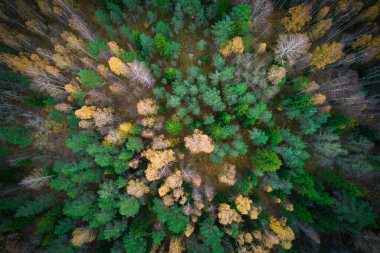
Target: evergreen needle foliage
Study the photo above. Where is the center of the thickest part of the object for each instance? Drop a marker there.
(189, 126)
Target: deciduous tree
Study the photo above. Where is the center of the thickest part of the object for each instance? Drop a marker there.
(141, 74)
(327, 54)
(118, 67)
(227, 215)
(199, 143)
(291, 47)
(297, 17)
(83, 235)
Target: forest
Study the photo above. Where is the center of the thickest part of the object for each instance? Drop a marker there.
(133, 126)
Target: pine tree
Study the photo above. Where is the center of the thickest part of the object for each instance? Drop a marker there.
(18, 136)
(90, 79)
(173, 127)
(266, 160)
(173, 217)
(212, 235)
(95, 47)
(129, 207)
(36, 206)
(223, 30)
(293, 152)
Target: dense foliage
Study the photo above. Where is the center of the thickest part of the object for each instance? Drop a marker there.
(189, 126)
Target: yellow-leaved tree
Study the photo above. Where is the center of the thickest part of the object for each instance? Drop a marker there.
(235, 46)
(297, 17)
(118, 67)
(326, 54)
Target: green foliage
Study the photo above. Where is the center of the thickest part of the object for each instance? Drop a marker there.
(172, 217)
(133, 244)
(274, 136)
(61, 244)
(36, 206)
(296, 104)
(338, 122)
(239, 147)
(211, 97)
(72, 121)
(223, 30)
(212, 236)
(173, 127)
(127, 56)
(221, 7)
(301, 83)
(301, 212)
(79, 142)
(228, 98)
(16, 224)
(111, 31)
(46, 224)
(233, 93)
(234, 230)
(223, 76)
(173, 102)
(202, 45)
(129, 206)
(166, 48)
(126, 32)
(158, 236)
(116, 13)
(278, 183)
(218, 62)
(114, 230)
(80, 207)
(102, 16)
(338, 183)
(11, 203)
(64, 226)
(135, 241)
(132, 5)
(178, 19)
(15, 135)
(95, 47)
(293, 152)
(163, 28)
(102, 154)
(57, 115)
(192, 246)
(241, 14)
(266, 160)
(90, 79)
(170, 74)
(151, 17)
(326, 146)
(310, 189)
(147, 46)
(310, 122)
(12, 77)
(134, 144)
(354, 211)
(243, 187)
(219, 132)
(258, 136)
(34, 101)
(358, 159)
